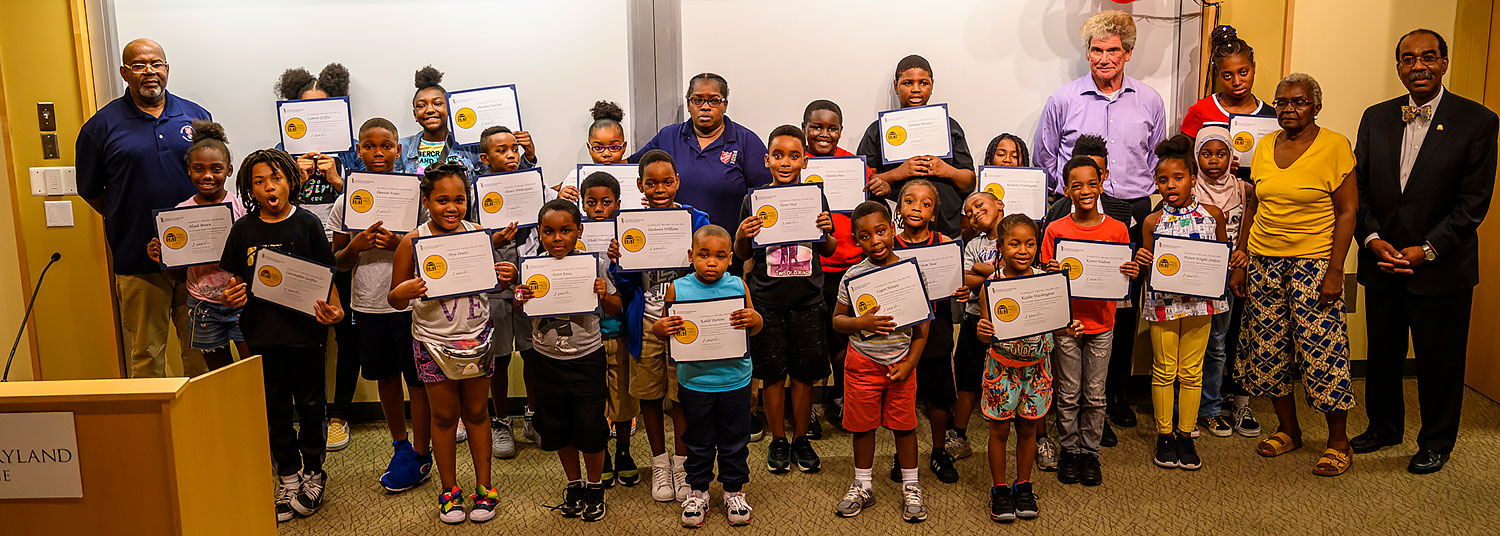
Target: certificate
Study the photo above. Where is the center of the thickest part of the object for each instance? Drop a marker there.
(706, 333)
(291, 282)
(915, 131)
(1245, 131)
(596, 236)
(625, 174)
(1093, 268)
(942, 267)
(513, 197)
(842, 177)
(788, 214)
(1022, 189)
(456, 264)
(897, 288)
(392, 198)
(654, 239)
(1028, 305)
(1190, 266)
(315, 125)
(472, 110)
(560, 287)
(193, 235)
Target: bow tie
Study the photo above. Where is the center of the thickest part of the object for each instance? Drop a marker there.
(1410, 113)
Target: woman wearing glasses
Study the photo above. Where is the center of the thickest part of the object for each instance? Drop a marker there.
(1294, 321)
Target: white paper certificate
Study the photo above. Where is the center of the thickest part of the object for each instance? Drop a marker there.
(842, 177)
(788, 214)
(315, 125)
(706, 331)
(655, 239)
(290, 282)
(625, 174)
(1245, 131)
(560, 287)
(942, 267)
(596, 236)
(392, 198)
(509, 197)
(193, 235)
(456, 264)
(1094, 268)
(1028, 305)
(472, 110)
(1190, 266)
(897, 288)
(1023, 190)
(915, 131)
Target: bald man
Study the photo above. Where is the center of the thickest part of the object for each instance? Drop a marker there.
(132, 159)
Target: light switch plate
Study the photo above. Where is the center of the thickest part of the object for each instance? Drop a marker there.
(46, 117)
(55, 180)
(49, 146)
(59, 213)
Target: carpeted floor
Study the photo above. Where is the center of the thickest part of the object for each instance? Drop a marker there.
(1236, 492)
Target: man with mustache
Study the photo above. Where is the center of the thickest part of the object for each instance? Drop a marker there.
(132, 158)
(1426, 169)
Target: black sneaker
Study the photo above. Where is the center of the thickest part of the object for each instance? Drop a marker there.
(1024, 499)
(1002, 507)
(942, 465)
(805, 457)
(1108, 439)
(1067, 468)
(1121, 414)
(1166, 451)
(1089, 473)
(896, 469)
(1187, 454)
(814, 426)
(779, 456)
(607, 476)
(625, 470)
(572, 504)
(593, 503)
(310, 498)
(757, 428)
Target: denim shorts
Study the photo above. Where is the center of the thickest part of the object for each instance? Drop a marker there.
(214, 325)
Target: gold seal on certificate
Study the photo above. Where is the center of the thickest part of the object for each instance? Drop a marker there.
(1028, 305)
(1023, 190)
(898, 290)
(625, 174)
(788, 214)
(915, 131)
(596, 236)
(707, 333)
(315, 125)
(942, 267)
(391, 198)
(654, 239)
(473, 110)
(1190, 266)
(842, 177)
(561, 286)
(456, 264)
(1245, 132)
(1094, 268)
(193, 235)
(511, 197)
(289, 281)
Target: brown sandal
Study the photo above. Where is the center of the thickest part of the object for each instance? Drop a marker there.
(1333, 463)
(1278, 444)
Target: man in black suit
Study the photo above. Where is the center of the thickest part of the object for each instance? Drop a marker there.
(1426, 169)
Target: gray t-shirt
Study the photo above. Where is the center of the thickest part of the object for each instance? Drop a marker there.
(980, 249)
(884, 349)
(574, 336)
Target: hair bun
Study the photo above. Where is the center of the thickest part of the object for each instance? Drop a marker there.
(334, 80)
(208, 130)
(1223, 33)
(428, 77)
(1177, 146)
(607, 110)
(289, 86)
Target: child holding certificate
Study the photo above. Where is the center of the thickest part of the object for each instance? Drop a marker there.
(983, 212)
(289, 342)
(601, 197)
(434, 144)
(787, 281)
(566, 362)
(450, 347)
(1180, 325)
(605, 142)
(878, 387)
(1017, 381)
(1080, 402)
(215, 324)
(715, 394)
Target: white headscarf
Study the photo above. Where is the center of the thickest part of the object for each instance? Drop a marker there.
(1226, 192)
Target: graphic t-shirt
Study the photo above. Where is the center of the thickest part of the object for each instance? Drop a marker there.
(428, 152)
(789, 276)
(573, 336)
(300, 234)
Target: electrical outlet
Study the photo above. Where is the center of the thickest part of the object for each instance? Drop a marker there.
(46, 117)
(49, 146)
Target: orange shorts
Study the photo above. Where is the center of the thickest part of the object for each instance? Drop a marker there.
(872, 400)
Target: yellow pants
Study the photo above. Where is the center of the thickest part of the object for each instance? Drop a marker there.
(150, 304)
(1179, 346)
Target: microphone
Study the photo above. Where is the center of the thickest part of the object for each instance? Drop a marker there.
(34, 290)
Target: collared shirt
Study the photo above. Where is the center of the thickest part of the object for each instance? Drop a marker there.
(717, 177)
(1415, 134)
(135, 162)
(1132, 124)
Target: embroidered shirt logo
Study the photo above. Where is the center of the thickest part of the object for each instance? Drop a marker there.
(728, 157)
(187, 132)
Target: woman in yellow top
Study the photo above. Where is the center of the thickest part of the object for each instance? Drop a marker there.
(1294, 318)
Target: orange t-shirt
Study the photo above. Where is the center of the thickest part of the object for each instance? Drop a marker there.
(1098, 316)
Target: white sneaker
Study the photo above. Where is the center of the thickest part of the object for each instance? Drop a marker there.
(679, 478)
(695, 509)
(285, 492)
(502, 438)
(957, 447)
(528, 432)
(913, 507)
(462, 434)
(856, 500)
(736, 509)
(661, 478)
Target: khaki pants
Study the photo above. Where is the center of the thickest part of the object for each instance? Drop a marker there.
(149, 304)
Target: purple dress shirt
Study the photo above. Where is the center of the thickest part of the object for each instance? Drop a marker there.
(1132, 124)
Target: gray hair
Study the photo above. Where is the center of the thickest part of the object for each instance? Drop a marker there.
(1306, 80)
(1106, 23)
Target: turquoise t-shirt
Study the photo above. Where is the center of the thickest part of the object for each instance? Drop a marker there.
(712, 376)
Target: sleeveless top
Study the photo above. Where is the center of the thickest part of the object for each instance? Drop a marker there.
(447, 320)
(1192, 221)
(720, 375)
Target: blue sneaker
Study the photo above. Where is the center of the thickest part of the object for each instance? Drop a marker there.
(407, 468)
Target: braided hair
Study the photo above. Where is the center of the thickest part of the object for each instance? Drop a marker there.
(280, 162)
(1225, 42)
(989, 153)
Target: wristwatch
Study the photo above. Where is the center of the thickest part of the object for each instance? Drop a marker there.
(1428, 252)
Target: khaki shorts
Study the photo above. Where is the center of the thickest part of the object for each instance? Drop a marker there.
(651, 377)
(621, 406)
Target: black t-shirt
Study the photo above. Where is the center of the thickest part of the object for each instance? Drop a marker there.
(301, 234)
(950, 200)
(784, 276)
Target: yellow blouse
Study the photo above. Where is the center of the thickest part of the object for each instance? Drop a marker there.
(1294, 212)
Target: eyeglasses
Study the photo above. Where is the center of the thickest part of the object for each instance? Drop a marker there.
(1295, 103)
(610, 148)
(140, 67)
(699, 101)
(1426, 59)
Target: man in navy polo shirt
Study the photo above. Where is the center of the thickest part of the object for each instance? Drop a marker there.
(132, 159)
(719, 160)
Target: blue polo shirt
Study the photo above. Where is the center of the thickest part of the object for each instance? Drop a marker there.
(717, 177)
(134, 163)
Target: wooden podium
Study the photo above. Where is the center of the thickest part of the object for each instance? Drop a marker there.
(156, 456)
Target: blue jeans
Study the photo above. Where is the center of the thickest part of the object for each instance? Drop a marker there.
(1212, 403)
